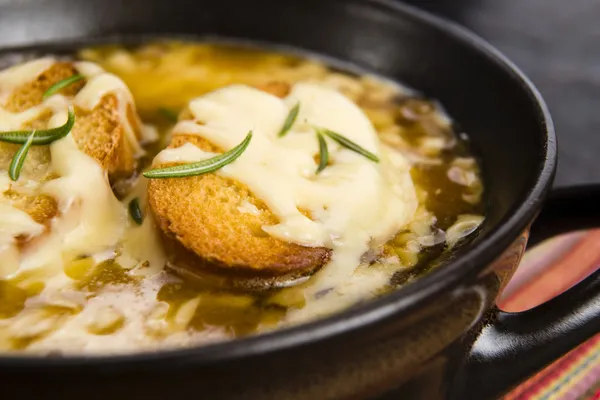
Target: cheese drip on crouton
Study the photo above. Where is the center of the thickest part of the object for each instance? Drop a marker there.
(351, 206)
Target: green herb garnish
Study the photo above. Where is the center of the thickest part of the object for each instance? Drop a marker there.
(202, 167)
(323, 153)
(45, 136)
(168, 114)
(347, 143)
(58, 86)
(289, 121)
(135, 211)
(16, 164)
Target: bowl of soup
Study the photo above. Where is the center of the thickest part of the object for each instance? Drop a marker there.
(324, 206)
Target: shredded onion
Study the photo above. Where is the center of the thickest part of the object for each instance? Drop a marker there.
(436, 237)
(463, 227)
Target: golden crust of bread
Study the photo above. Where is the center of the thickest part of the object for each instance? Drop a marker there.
(99, 133)
(202, 214)
(41, 208)
(276, 88)
(30, 94)
(101, 136)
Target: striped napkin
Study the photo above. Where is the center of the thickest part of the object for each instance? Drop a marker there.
(545, 272)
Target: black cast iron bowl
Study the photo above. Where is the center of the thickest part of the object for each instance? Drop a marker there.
(438, 337)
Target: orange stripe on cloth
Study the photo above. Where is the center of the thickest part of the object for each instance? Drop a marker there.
(558, 277)
(543, 275)
(537, 382)
(574, 381)
(568, 378)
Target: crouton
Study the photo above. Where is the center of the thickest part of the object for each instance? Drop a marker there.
(101, 136)
(99, 133)
(208, 229)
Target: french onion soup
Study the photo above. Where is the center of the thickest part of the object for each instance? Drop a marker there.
(177, 194)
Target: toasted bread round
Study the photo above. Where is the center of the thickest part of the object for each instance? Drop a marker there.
(99, 133)
(101, 136)
(206, 215)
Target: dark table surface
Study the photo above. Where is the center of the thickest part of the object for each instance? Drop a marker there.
(557, 44)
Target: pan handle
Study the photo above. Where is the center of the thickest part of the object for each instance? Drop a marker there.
(514, 346)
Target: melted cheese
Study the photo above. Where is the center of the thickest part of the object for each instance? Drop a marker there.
(355, 203)
(91, 217)
(90, 222)
(143, 243)
(100, 84)
(14, 223)
(13, 77)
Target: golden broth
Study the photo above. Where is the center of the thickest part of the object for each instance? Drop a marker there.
(163, 78)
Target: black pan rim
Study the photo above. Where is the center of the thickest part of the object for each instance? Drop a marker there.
(467, 266)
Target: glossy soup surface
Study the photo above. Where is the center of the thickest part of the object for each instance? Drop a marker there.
(163, 77)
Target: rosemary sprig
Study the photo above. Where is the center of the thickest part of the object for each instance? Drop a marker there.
(323, 153)
(289, 121)
(168, 114)
(16, 164)
(42, 136)
(135, 211)
(202, 167)
(347, 143)
(60, 85)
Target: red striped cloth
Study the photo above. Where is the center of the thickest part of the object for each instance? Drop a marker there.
(545, 272)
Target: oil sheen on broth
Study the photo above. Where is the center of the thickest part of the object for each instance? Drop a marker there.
(110, 292)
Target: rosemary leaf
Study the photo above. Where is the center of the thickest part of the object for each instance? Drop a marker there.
(60, 85)
(347, 143)
(16, 164)
(323, 153)
(289, 121)
(42, 136)
(201, 167)
(135, 211)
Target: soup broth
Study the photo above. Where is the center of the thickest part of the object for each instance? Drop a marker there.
(130, 297)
